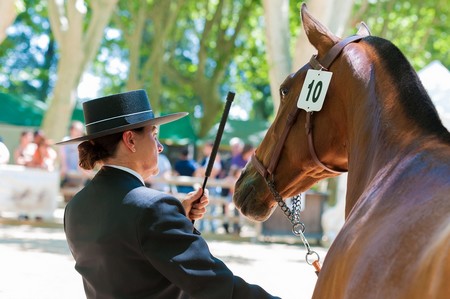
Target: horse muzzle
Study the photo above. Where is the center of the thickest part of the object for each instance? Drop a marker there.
(251, 196)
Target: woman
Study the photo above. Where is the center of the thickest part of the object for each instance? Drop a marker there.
(24, 153)
(130, 241)
(44, 156)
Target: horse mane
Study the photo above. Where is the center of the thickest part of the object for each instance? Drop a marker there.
(414, 98)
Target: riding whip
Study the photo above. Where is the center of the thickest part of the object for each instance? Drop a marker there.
(212, 157)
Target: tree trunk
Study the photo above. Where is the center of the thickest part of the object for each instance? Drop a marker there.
(146, 66)
(325, 11)
(277, 43)
(77, 49)
(212, 105)
(9, 13)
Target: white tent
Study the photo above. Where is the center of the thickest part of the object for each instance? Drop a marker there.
(436, 79)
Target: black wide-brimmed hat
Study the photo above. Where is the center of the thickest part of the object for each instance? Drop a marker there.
(119, 112)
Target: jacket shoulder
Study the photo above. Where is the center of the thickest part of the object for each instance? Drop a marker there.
(144, 197)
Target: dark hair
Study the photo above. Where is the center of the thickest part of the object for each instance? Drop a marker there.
(184, 152)
(247, 148)
(25, 132)
(92, 151)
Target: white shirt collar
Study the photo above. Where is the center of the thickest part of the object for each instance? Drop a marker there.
(129, 170)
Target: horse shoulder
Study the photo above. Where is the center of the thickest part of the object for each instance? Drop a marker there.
(432, 268)
(394, 236)
(383, 259)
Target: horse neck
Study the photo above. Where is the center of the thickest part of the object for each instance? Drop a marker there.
(380, 138)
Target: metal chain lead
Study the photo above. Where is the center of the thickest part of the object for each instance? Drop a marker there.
(298, 227)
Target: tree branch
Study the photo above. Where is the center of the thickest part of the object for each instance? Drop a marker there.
(101, 15)
(204, 39)
(226, 49)
(134, 39)
(176, 75)
(56, 17)
(385, 27)
(9, 14)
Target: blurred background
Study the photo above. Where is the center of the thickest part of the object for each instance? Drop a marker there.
(187, 55)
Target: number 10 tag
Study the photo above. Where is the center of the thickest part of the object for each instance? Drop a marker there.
(314, 90)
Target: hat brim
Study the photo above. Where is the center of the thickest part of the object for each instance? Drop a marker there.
(154, 121)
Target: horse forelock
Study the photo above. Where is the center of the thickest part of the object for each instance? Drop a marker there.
(412, 96)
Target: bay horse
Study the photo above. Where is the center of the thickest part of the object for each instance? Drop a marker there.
(378, 123)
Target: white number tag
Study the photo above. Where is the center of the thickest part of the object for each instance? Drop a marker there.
(314, 90)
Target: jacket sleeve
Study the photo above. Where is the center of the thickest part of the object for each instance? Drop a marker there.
(168, 243)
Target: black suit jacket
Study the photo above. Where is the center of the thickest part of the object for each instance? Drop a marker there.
(130, 241)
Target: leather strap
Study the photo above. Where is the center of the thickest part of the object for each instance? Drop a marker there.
(292, 117)
(325, 62)
(312, 151)
(276, 154)
(258, 165)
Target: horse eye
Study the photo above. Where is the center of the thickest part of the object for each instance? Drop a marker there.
(283, 91)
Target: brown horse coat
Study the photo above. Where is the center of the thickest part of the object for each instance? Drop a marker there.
(378, 122)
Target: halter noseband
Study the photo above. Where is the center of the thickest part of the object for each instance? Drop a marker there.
(322, 64)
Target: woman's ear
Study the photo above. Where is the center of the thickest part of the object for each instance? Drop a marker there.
(129, 140)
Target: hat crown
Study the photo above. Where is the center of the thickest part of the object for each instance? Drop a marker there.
(116, 110)
(120, 112)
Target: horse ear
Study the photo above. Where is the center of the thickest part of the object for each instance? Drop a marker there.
(363, 29)
(318, 35)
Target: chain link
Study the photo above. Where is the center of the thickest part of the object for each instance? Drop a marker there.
(298, 227)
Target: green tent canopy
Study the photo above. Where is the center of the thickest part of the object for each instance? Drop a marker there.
(20, 112)
(181, 132)
(178, 132)
(249, 131)
(23, 111)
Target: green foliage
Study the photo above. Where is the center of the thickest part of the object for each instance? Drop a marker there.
(419, 28)
(248, 73)
(199, 35)
(28, 55)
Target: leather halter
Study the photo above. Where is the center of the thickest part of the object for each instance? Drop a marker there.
(318, 64)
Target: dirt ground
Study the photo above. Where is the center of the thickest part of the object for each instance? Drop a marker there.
(36, 263)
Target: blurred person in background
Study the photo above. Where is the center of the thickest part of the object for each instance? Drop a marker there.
(214, 191)
(165, 171)
(206, 153)
(24, 152)
(72, 175)
(185, 166)
(239, 161)
(44, 156)
(236, 146)
(4, 152)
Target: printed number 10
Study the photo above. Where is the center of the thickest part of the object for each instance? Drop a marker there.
(316, 92)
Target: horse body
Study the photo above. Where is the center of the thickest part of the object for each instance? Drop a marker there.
(387, 233)
(379, 123)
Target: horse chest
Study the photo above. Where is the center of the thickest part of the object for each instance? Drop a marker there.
(375, 255)
(361, 266)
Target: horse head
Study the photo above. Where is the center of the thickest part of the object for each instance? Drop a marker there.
(285, 156)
